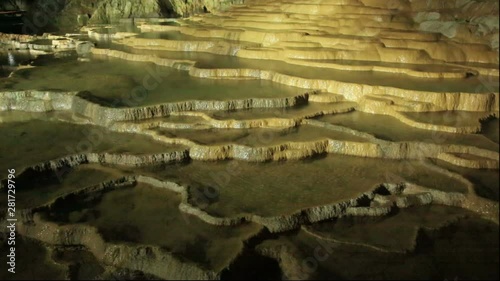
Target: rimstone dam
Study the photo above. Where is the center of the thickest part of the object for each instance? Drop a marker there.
(249, 140)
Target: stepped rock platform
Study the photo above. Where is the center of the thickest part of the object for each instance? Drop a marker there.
(274, 140)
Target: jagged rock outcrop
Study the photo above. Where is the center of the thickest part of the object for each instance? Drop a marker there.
(190, 7)
(108, 11)
(70, 14)
(113, 10)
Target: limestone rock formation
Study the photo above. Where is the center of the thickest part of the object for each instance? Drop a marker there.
(285, 137)
(70, 14)
(112, 10)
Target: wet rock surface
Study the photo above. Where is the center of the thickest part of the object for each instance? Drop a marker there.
(353, 139)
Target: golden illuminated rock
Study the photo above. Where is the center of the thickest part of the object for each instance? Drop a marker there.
(179, 148)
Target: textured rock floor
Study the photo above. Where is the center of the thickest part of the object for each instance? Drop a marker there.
(280, 139)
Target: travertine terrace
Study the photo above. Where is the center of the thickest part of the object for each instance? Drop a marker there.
(235, 144)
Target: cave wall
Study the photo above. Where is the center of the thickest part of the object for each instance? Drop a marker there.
(111, 10)
(67, 15)
(480, 16)
(7, 5)
(189, 7)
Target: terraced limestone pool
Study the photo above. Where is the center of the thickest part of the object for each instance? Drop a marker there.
(286, 188)
(449, 254)
(257, 137)
(212, 61)
(147, 215)
(389, 128)
(34, 142)
(127, 84)
(274, 140)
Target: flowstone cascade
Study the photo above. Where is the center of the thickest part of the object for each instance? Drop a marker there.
(350, 139)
